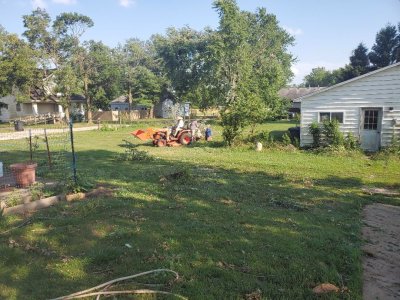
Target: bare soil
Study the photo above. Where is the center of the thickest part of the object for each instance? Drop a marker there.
(381, 262)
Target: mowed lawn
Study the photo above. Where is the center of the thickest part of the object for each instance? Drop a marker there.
(274, 223)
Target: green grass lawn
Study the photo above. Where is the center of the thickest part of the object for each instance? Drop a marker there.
(239, 221)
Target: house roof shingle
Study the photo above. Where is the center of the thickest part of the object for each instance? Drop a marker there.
(294, 92)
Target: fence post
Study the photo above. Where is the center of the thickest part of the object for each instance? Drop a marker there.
(73, 150)
(30, 145)
(47, 147)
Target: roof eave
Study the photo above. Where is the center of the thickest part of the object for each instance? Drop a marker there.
(347, 81)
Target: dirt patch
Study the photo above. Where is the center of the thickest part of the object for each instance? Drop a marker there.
(381, 262)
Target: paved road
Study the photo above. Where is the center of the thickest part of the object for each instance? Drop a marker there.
(40, 131)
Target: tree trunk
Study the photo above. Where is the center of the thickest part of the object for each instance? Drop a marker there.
(88, 100)
(130, 103)
(66, 111)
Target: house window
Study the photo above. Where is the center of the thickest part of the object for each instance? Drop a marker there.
(329, 116)
(371, 120)
(18, 106)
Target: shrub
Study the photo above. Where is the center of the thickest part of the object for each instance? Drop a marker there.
(131, 153)
(351, 142)
(286, 139)
(263, 137)
(107, 127)
(315, 131)
(332, 134)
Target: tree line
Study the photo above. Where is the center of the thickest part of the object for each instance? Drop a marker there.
(238, 67)
(384, 52)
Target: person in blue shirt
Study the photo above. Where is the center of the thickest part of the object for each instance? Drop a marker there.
(208, 133)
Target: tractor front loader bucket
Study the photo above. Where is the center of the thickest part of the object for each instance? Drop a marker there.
(145, 134)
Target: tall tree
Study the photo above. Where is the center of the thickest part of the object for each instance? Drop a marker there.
(106, 79)
(42, 42)
(384, 51)
(359, 60)
(69, 27)
(17, 66)
(182, 52)
(251, 64)
(67, 84)
(319, 77)
(397, 49)
(85, 69)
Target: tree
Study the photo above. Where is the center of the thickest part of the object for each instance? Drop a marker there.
(106, 79)
(17, 66)
(251, 64)
(320, 77)
(43, 43)
(182, 52)
(384, 51)
(397, 49)
(359, 60)
(67, 85)
(69, 27)
(85, 70)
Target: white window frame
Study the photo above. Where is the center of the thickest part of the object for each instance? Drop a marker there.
(330, 115)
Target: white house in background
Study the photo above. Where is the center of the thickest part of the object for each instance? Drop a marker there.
(368, 106)
(37, 105)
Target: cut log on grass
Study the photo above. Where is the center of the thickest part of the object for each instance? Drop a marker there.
(380, 191)
(325, 288)
(32, 206)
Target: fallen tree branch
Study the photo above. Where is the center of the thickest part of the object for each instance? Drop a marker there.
(90, 292)
(26, 222)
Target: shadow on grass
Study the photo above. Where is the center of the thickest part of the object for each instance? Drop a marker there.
(227, 233)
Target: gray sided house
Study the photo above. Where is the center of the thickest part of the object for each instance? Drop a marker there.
(122, 104)
(367, 106)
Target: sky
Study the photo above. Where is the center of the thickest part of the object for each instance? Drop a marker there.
(325, 31)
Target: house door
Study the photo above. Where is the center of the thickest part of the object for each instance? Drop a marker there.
(371, 123)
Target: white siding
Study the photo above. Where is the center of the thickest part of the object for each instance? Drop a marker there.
(380, 89)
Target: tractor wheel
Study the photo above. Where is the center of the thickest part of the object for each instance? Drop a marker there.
(185, 138)
(161, 143)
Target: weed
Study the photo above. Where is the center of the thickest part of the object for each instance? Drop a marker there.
(36, 190)
(108, 127)
(131, 153)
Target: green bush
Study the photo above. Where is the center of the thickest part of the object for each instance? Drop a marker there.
(131, 153)
(263, 137)
(315, 131)
(286, 139)
(331, 132)
(351, 142)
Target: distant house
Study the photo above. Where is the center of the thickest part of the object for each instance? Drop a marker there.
(292, 93)
(121, 103)
(367, 106)
(39, 103)
(165, 109)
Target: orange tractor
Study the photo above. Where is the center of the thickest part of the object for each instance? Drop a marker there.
(159, 137)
